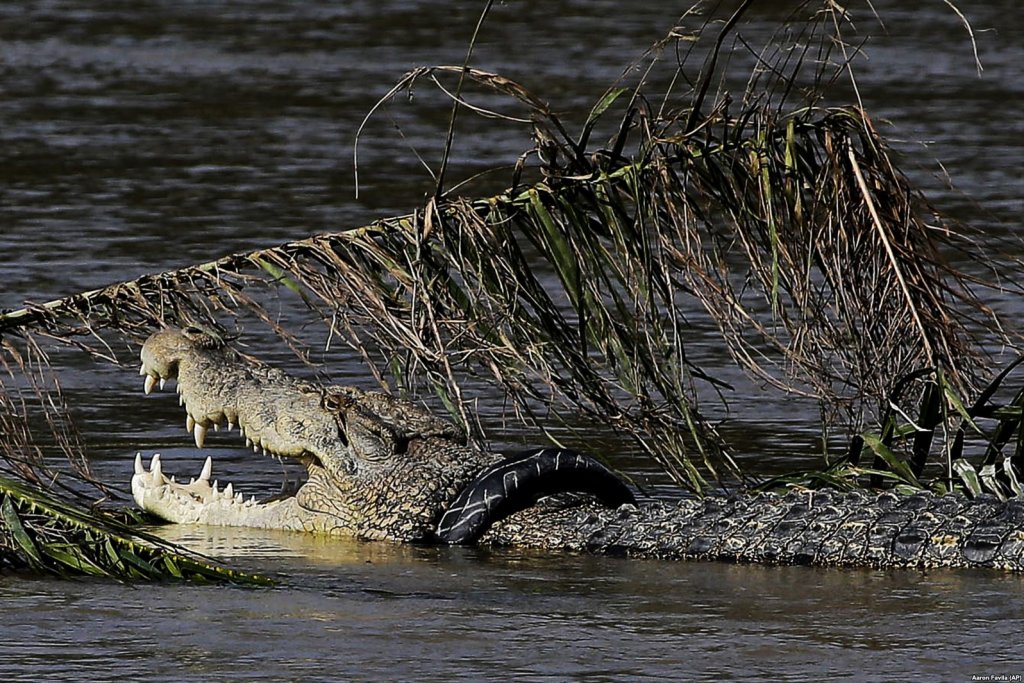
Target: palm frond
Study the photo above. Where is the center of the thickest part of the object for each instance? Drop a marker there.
(43, 534)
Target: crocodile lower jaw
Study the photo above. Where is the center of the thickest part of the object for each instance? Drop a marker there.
(204, 502)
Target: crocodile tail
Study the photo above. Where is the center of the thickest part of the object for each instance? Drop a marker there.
(518, 482)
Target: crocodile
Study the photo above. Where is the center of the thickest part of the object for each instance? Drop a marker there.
(380, 468)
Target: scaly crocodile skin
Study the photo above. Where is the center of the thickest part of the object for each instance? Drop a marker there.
(381, 468)
(824, 528)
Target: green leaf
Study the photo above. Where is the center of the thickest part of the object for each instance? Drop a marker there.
(957, 403)
(21, 536)
(1011, 475)
(74, 558)
(987, 474)
(173, 567)
(558, 248)
(602, 105)
(894, 462)
(968, 475)
(282, 277)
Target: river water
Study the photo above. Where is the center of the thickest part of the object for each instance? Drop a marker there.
(140, 137)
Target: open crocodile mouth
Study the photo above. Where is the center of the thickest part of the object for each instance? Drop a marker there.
(151, 481)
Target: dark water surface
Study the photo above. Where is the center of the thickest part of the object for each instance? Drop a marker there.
(382, 612)
(139, 137)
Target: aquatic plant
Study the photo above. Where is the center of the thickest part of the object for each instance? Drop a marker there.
(46, 534)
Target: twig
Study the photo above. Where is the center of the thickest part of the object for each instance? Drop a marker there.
(866, 193)
(970, 32)
(450, 136)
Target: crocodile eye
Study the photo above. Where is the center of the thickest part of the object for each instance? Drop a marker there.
(201, 337)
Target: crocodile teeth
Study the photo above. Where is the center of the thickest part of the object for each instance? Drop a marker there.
(231, 424)
(200, 435)
(190, 423)
(154, 466)
(142, 370)
(229, 491)
(162, 383)
(207, 469)
(139, 469)
(150, 383)
(248, 443)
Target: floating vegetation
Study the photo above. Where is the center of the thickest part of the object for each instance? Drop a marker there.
(43, 534)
